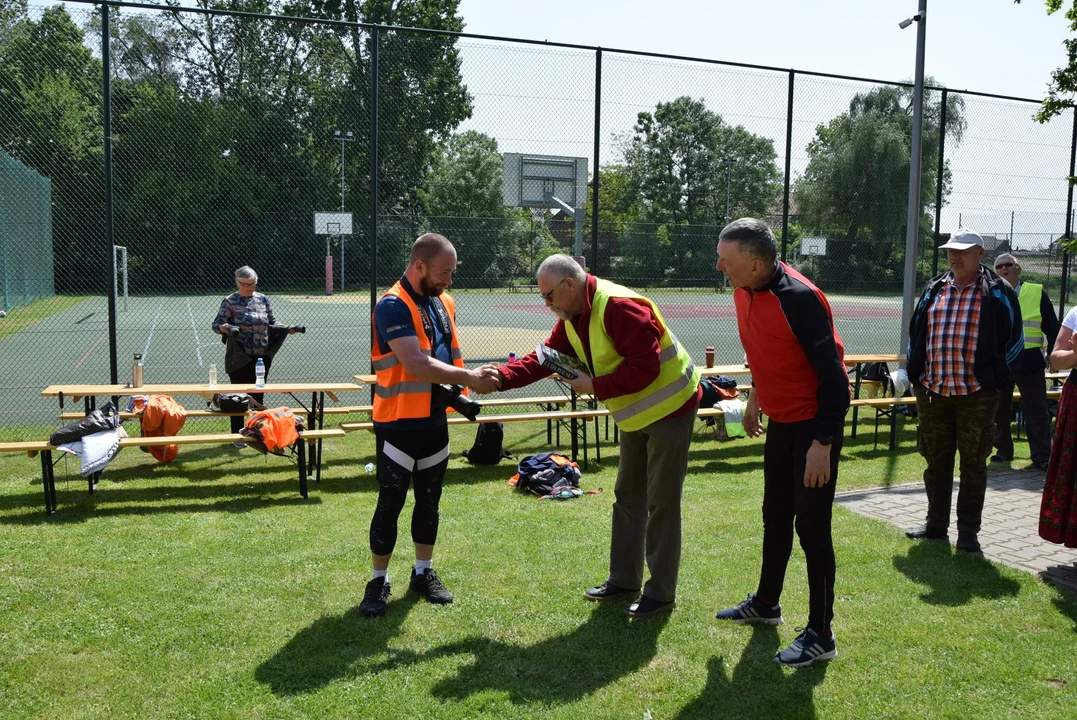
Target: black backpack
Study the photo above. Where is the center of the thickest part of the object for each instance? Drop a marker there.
(880, 373)
(487, 449)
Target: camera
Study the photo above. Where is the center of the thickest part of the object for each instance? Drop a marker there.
(449, 396)
(299, 328)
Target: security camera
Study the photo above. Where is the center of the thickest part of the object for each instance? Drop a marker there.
(905, 23)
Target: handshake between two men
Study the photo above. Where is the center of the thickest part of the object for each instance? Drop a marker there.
(488, 379)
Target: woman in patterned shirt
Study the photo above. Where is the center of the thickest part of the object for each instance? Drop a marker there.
(244, 319)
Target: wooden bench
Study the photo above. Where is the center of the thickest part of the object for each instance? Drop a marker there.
(44, 449)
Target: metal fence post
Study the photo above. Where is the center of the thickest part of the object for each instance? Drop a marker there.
(106, 94)
(374, 70)
(594, 193)
(788, 170)
(1069, 219)
(938, 187)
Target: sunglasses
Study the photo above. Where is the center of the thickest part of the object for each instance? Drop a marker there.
(1005, 266)
(548, 296)
(248, 283)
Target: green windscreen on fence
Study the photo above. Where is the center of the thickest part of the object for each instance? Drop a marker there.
(25, 234)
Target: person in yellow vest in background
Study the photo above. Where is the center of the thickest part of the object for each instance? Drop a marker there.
(416, 347)
(651, 388)
(1041, 329)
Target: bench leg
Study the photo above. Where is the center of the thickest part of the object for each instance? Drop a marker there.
(893, 427)
(48, 481)
(302, 451)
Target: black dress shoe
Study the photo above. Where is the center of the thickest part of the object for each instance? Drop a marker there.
(968, 542)
(926, 532)
(645, 607)
(1001, 458)
(608, 591)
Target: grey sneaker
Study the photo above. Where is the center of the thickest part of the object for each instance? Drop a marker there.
(807, 648)
(752, 610)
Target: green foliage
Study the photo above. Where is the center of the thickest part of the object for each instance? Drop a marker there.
(854, 190)
(1063, 85)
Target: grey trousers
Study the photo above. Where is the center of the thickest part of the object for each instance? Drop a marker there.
(647, 506)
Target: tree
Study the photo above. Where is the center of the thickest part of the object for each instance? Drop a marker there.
(683, 162)
(855, 187)
(462, 198)
(1063, 85)
(50, 91)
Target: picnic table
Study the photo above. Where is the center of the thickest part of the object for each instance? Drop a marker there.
(315, 412)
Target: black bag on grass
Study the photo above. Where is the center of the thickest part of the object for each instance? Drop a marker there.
(487, 449)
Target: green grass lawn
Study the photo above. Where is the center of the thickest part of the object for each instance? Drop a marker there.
(209, 589)
(23, 317)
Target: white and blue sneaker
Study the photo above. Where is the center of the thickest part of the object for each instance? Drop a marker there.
(807, 648)
(752, 610)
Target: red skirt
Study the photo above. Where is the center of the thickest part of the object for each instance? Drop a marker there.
(1058, 511)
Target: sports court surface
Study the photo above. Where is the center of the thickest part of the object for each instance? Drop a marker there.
(178, 344)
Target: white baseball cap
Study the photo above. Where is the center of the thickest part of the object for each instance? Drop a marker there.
(963, 239)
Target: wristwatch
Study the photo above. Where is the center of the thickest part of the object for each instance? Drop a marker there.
(825, 440)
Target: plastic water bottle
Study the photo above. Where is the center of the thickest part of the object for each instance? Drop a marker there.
(260, 374)
(512, 357)
(369, 467)
(212, 377)
(136, 371)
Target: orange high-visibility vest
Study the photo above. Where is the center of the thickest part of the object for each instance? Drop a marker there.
(397, 395)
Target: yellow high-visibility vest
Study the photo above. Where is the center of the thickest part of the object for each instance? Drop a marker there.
(1029, 298)
(677, 379)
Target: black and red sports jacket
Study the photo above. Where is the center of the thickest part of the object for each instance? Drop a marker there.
(795, 354)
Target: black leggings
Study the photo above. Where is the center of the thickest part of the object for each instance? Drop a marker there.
(403, 456)
(789, 504)
(245, 376)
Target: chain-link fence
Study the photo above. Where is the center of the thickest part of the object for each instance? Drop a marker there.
(25, 235)
(227, 131)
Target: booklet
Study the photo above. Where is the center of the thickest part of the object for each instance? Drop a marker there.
(564, 365)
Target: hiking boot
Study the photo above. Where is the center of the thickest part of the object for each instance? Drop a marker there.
(926, 532)
(608, 591)
(645, 607)
(429, 586)
(968, 542)
(807, 648)
(752, 610)
(375, 597)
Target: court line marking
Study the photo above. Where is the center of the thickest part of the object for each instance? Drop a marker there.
(194, 327)
(93, 347)
(153, 329)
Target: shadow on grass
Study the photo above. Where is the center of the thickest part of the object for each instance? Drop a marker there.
(563, 669)
(1066, 602)
(758, 687)
(332, 648)
(952, 577)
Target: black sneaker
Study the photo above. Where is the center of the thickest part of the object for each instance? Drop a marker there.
(752, 610)
(429, 586)
(926, 532)
(645, 607)
(807, 648)
(968, 542)
(375, 597)
(608, 591)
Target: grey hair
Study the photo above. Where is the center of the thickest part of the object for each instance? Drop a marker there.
(246, 273)
(754, 238)
(560, 267)
(1006, 257)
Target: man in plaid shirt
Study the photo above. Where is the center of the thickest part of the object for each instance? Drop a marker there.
(965, 335)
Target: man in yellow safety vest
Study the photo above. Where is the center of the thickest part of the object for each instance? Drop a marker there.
(646, 379)
(1041, 329)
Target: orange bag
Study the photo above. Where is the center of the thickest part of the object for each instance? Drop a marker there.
(276, 429)
(161, 416)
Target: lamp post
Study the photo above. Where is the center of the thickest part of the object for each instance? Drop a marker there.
(728, 180)
(345, 137)
(912, 228)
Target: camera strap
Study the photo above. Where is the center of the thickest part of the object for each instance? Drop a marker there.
(443, 321)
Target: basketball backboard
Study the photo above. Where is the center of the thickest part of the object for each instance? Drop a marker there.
(533, 180)
(813, 246)
(332, 223)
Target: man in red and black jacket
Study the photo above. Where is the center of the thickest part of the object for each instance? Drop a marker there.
(799, 381)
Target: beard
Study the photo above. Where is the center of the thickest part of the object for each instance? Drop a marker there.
(429, 289)
(563, 314)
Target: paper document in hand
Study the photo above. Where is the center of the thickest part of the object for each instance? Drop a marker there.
(564, 365)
